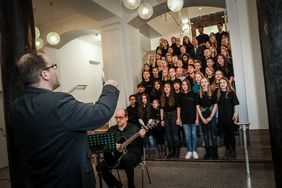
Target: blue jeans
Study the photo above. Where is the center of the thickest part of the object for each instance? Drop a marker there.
(190, 136)
(151, 144)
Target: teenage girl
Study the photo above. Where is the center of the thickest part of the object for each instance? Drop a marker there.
(206, 109)
(189, 118)
(159, 130)
(170, 117)
(227, 116)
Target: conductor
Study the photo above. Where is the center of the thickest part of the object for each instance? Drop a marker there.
(50, 127)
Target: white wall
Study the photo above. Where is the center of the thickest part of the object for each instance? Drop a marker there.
(145, 47)
(246, 53)
(74, 68)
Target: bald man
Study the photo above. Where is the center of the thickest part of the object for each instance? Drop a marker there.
(134, 150)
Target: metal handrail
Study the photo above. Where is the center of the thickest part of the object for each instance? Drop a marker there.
(79, 86)
(244, 127)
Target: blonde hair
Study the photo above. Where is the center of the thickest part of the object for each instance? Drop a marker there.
(209, 92)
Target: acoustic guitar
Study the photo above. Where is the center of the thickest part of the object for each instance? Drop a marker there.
(112, 159)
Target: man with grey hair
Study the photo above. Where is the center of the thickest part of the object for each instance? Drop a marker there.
(50, 127)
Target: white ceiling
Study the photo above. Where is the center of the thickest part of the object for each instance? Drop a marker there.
(170, 23)
(43, 11)
(164, 24)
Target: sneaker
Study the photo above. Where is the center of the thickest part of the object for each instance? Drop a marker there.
(188, 155)
(195, 155)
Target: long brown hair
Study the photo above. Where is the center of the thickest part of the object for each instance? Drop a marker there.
(209, 92)
(188, 84)
(228, 88)
(144, 111)
(171, 100)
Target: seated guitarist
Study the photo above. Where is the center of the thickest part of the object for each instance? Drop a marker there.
(134, 151)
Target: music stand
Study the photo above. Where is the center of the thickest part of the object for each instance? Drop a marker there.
(102, 142)
(99, 143)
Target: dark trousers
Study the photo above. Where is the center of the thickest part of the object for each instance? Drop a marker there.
(160, 131)
(171, 130)
(209, 131)
(229, 136)
(127, 163)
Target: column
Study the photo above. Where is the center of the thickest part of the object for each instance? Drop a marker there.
(247, 63)
(16, 36)
(270, 29)
(121, 56)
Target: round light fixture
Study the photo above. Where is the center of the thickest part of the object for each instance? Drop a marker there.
(145, 10)
(131, 4)
(98, 37)
(53, 38)
(38, 43)
(175, 5)
(37, 32)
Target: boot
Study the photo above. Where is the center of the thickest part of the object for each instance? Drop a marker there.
(159, 151)
(214, 153)
(177, 152)
(163, 148)
(233, 154)
(170, 153)
(227, 154)
(208, 153)
(173, 153)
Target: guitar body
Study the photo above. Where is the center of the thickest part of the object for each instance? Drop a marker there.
(112, 159)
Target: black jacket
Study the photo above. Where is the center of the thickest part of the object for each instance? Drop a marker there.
(50, 129)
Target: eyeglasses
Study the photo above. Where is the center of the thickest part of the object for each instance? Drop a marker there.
(119, 117)
(54, 66)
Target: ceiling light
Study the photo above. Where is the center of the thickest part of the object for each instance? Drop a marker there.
(200, 8)
(37, 32)
(131, 4)
(175, 5)
(145, 10)
(53, 38)
(38, 43)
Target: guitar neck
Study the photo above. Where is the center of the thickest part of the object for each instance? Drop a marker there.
(136, 135)
(129, 140)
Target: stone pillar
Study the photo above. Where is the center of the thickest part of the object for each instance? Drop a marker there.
(270, 28)
(16, 36)
(121, 56)
(246, 54)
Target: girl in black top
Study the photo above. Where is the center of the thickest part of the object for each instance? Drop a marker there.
(187, 43)
(209, 74)
(170, 117)
(189, 118)
(217, 76)
(227, 114)
(225, 67)
(206, 109)
(144, 115)
(159, 131)
(157, 91)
